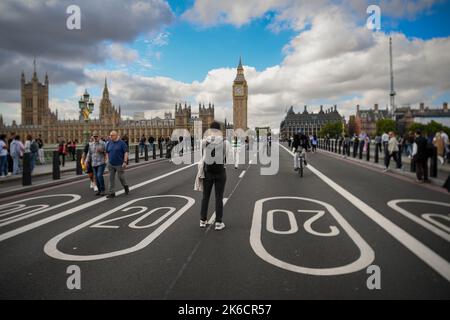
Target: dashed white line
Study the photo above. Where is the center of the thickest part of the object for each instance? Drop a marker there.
(242, 174)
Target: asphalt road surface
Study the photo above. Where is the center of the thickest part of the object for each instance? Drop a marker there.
(286, 237)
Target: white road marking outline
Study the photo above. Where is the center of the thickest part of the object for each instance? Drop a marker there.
(292, 222)
(33, 212)
(431, 258)
(51, 247)
(334, 231)
(437, 231)
(242, 174)
(63, 214)
(366, 257)
(429, 218)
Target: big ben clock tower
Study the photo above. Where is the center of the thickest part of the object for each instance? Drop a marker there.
(240, 97)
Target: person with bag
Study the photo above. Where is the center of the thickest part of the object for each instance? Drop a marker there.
(391, 151)
(96, 157)
(17, 149)
(215, 150)
(420, 156)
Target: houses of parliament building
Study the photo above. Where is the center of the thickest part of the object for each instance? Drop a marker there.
(38, 119)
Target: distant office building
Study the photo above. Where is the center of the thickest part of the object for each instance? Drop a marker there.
(366, 120)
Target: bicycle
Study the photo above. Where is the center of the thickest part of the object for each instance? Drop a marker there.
(300, 159)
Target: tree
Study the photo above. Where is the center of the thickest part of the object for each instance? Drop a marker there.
(331, 129)
(385, 125)
(429, 128)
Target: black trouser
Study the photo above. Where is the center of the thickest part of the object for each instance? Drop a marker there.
(387, 159)
(218, 180)
(422, 169)
(63, 158)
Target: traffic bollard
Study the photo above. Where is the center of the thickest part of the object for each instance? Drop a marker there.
(412, 167)
(376, 160)
(433, 163)
(78, 168)
(160, 150)
(26, 172)
(368, 152)
(146, 153)
(56, 172)
(154, 151)
(136, 155)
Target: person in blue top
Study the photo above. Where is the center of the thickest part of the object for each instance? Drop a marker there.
(117, 158)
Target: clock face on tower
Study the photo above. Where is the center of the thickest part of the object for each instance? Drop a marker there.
(239, 91)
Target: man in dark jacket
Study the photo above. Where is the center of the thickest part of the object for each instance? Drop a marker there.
(421, 157)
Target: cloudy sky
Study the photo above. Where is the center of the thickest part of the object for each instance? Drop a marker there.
(156, 53)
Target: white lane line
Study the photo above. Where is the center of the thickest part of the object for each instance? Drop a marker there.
(213, 216)
(432, 259)
(63, 214)
(242, 174)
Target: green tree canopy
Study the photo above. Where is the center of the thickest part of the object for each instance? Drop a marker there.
(385, 125)
(332, 130)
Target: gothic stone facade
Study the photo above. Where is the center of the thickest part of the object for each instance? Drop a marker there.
(38, 119)
(309, 123)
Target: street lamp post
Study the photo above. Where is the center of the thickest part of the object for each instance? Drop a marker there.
(86, 108)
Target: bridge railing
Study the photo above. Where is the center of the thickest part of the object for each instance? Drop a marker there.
(365, 151)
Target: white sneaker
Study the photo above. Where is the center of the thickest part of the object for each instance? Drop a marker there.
(219, 226)
(92, 185)
(202, 224)
(95, 189)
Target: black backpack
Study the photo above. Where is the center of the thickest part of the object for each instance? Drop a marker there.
(216, 168)
(34, 147)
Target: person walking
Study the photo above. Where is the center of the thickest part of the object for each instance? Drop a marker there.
(32, 148)
(3, 156)
(392, 151)
(444, 136)
(41, 155)
(215, 150)
(117, 159)
(438, 142)
(385, 141)
(142, 143)
(88, 165)
(97, 156)
(420, 156)
(314, 143)
(378, 142)
(10, 159)
(17, 149)
(62, 151)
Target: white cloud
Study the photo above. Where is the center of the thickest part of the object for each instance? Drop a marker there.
(336, 60)
(120, 53)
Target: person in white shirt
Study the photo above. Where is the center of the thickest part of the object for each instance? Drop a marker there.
(392, 151)
(17, 149)
(385, 141)
(3, 156)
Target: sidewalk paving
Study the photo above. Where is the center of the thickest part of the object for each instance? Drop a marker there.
(443, 170)
(42, 176)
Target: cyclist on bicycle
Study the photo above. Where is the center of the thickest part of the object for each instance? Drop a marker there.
(300, 145)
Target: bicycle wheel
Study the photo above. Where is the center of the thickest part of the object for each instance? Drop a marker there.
(300, 167)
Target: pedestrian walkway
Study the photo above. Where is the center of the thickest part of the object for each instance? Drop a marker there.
(42, 175)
